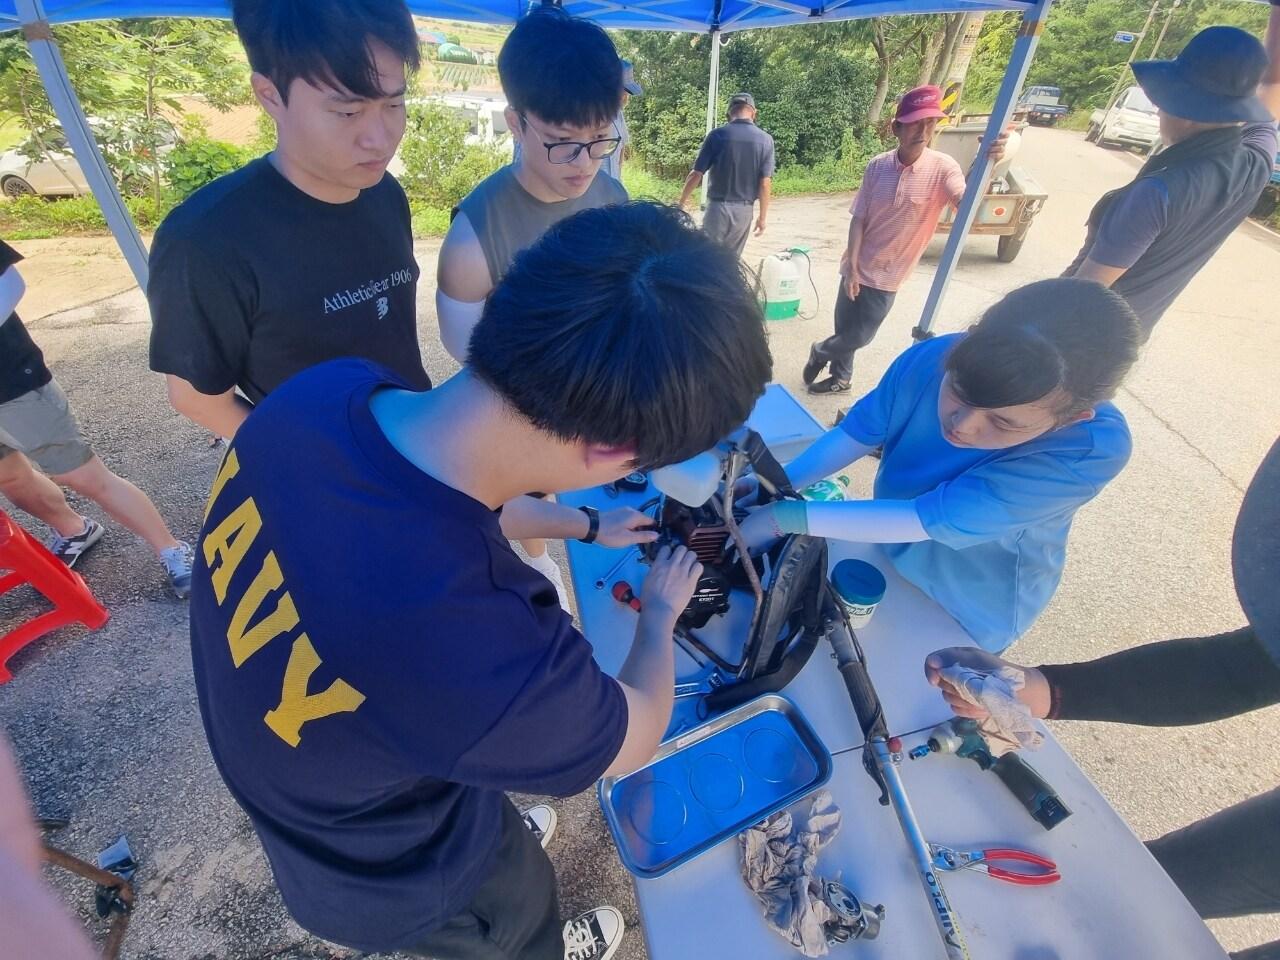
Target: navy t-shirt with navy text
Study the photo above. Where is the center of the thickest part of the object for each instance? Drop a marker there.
(375, 666)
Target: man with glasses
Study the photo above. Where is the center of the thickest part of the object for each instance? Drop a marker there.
(564, 83)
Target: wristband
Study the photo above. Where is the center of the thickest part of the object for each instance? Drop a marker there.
(789, 516)
(593, 525)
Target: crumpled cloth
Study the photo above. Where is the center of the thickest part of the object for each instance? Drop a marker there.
(1009, 724)
(779, 858)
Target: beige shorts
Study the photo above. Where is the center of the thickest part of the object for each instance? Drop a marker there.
(40, 425)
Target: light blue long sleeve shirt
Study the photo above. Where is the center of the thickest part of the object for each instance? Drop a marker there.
(998, 519)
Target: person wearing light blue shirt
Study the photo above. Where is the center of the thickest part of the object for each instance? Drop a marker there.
(992, 440)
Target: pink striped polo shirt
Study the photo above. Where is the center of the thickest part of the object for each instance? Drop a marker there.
(899, 207)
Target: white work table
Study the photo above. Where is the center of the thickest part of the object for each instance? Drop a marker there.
(1113, 903)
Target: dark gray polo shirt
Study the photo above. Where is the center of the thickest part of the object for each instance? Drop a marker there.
(1164, 227)
(738, 155)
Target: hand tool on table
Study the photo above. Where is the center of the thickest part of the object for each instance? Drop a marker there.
(962, 736)
(982, 861)
(614, 570)
(880, 757)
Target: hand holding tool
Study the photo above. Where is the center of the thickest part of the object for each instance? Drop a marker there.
(962, 737)
(945, 858)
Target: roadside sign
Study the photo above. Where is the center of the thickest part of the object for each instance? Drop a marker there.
(1125, 37)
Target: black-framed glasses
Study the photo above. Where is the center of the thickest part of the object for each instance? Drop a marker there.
(567, 151)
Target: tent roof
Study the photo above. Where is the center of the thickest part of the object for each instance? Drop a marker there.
(681, 15)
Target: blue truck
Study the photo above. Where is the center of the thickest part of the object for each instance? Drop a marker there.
(1041, 105)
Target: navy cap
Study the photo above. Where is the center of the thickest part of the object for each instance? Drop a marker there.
(1255, 553)
(629, 81)
(1213, 80)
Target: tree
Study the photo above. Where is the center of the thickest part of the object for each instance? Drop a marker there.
(128, 76)
(22, 91)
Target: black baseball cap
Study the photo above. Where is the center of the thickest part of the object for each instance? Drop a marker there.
(746, 98)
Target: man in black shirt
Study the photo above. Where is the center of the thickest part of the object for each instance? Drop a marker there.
(306, 254)
(739, 156)
(1225, 864)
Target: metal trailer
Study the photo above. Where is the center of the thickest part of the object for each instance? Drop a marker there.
(1013, 196)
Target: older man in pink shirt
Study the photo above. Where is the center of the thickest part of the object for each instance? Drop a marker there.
(894, 214)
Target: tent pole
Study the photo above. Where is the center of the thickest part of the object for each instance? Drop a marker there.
(713, 95)
(1024, 48)
(53, 73)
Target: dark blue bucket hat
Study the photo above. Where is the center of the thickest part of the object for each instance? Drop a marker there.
(1213, 80)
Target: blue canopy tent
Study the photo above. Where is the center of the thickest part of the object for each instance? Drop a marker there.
(35, 17)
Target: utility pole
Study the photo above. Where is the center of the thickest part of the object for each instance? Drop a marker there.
(1165, 28)
(1133, 54)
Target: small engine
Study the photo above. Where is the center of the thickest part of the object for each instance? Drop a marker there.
(704, 532)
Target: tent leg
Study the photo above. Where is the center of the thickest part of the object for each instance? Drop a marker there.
(1023, 49)
(53, 72)
(713, 95)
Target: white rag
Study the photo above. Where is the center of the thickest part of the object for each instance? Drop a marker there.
(778, 863)
(1009, 724)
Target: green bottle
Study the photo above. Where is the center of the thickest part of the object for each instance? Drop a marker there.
(832, 488)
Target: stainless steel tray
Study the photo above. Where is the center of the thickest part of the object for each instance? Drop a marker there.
(713, 782)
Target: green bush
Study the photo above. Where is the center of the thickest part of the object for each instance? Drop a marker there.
(429, 221)
(440, 167)
(29, 218)
(1075, 120)
(643, 185)
(193, 163)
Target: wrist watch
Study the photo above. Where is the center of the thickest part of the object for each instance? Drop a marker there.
(593, 524)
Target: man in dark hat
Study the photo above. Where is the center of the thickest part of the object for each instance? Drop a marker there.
(1218, 104)
(740, 158)
(1225, 864)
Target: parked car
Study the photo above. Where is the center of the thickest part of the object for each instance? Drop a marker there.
(1042, 105)
(58, 174)
(1130, 121)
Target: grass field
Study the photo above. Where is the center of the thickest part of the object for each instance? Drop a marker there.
(473, 36)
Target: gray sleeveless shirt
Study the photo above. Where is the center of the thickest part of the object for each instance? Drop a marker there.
(506, 218)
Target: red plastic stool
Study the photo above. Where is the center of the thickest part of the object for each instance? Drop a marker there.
(63, 587)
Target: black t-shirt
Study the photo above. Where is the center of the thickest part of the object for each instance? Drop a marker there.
(253, 281)
(738, 155)
(367, 716)
(22, 367)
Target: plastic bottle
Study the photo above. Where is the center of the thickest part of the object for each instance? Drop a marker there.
(860, 587)
(832, 488)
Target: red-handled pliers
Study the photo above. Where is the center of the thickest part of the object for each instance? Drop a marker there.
(945, 858)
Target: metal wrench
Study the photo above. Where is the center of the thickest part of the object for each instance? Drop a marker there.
(616, 568)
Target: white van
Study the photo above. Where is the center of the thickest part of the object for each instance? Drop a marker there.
(1130, 121)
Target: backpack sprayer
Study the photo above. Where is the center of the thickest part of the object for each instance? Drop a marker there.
(778, 284)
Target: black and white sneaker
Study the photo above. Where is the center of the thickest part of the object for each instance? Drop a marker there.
(541, 821)
(813, 366)
(71, 549)
(829, 385)
(593, 936)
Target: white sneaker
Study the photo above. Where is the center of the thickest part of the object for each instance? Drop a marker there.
(551, 570)
(541, 821)
(594, 936)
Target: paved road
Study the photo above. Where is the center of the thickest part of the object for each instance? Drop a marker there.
(105, 723)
